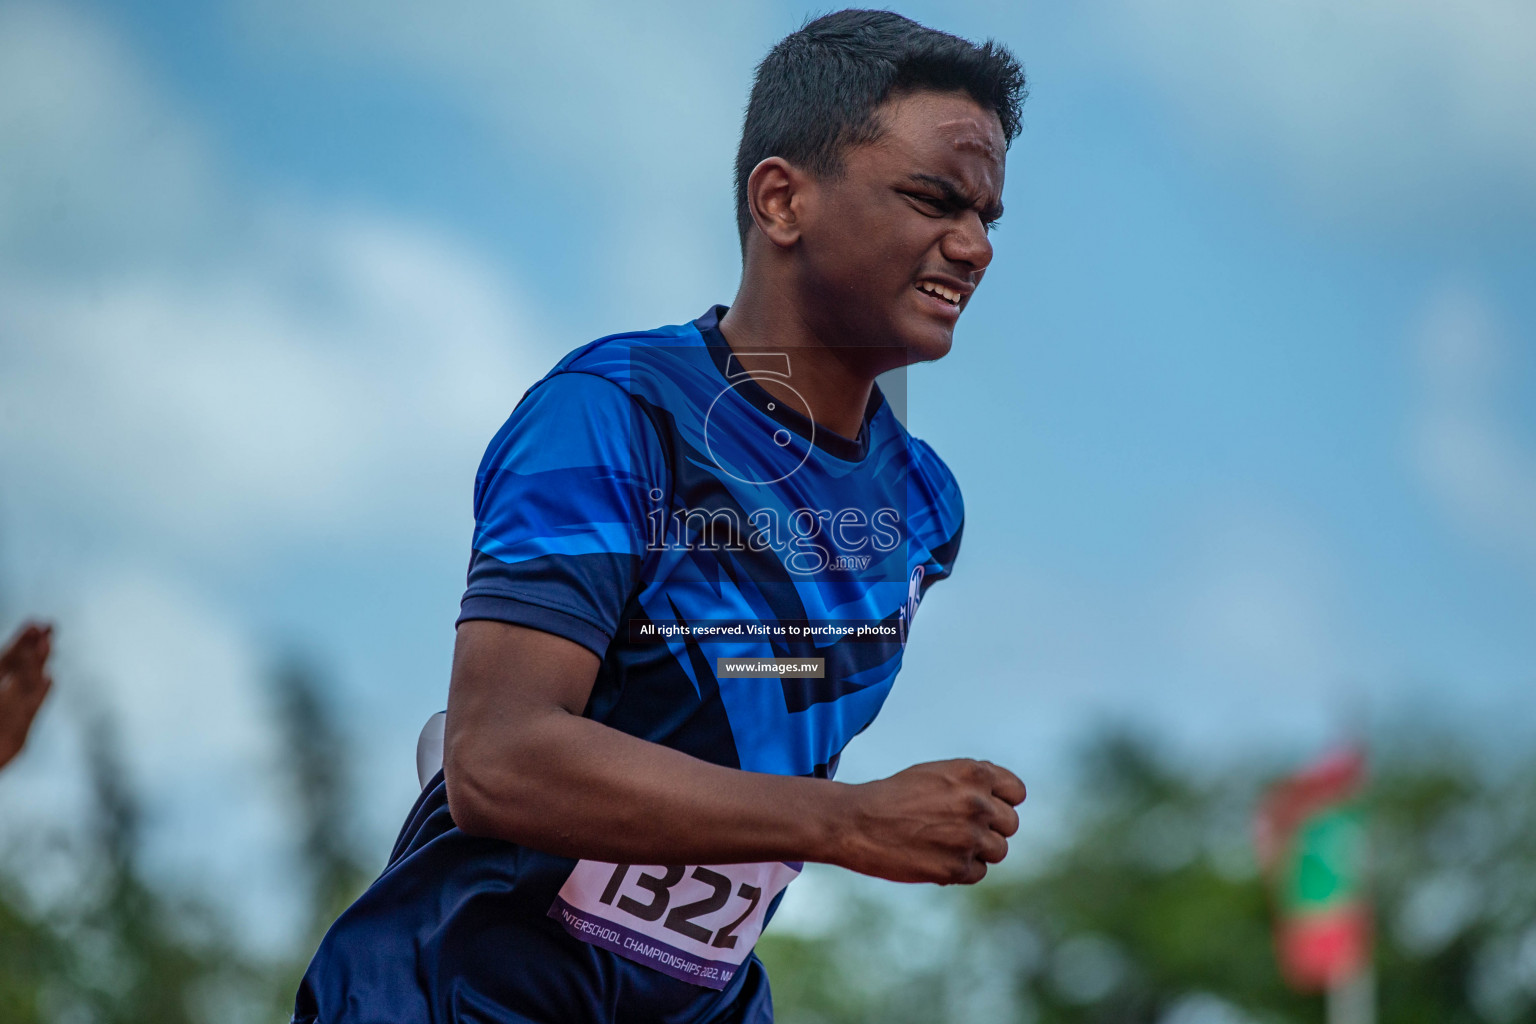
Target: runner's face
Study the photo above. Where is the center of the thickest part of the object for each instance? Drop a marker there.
(907, 218)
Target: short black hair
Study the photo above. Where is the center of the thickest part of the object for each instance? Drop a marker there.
(816, 92)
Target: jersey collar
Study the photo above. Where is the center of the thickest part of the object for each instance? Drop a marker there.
(834, 444)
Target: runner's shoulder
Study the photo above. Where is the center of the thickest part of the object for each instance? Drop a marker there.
(605, 376)
(936, 480)
(615, 356)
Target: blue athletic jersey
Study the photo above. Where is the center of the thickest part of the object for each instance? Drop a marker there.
(651, 501)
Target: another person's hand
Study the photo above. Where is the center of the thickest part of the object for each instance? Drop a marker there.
(943, 822)
(24, 682)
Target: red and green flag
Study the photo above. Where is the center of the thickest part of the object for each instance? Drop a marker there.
(1311, 836)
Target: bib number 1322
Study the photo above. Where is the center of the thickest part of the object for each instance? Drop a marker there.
(695, 923)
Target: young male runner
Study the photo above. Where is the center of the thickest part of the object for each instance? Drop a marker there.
(621, 806)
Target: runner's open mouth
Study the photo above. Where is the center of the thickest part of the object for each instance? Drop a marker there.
(939, 291)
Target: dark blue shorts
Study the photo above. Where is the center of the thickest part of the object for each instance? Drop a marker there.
(455, 932)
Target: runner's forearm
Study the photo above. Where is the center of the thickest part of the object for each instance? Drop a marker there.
(524, 764)
(574, 787)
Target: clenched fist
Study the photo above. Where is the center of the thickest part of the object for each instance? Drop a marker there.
(939, 822)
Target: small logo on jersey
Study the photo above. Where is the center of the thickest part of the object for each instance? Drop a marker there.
(777, 454)
(914, 597)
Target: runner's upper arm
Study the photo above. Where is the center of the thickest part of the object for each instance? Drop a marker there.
(506, 680)
(560, 502)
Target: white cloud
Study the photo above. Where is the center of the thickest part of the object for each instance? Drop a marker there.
(1412, 108)
(235, 410)
(181, 684)
(97, 167)
(1469, 455)
(591, 84)
(179, 678)
(197, 378)
(225, 379)
(629, 115)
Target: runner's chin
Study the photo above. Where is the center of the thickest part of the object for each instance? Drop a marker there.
(928, 324)
(928, 340)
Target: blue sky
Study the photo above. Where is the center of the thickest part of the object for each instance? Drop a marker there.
(1243, 412)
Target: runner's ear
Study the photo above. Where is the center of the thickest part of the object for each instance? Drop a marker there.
(776, 199)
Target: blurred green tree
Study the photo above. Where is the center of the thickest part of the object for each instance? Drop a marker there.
(140, 955)
(116, 949)
(318, 765)
(1146, 907)
(1151, 910)
(121, 949)
(30, 955)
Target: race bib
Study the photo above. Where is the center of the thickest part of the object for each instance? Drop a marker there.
(693, 923)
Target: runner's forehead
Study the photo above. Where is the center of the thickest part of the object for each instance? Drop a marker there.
(976, 144)
(966, 150)
(978, 133)
(952, 136)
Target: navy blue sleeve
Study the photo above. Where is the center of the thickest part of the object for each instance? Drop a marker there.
(560, 504)
(936, 509)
